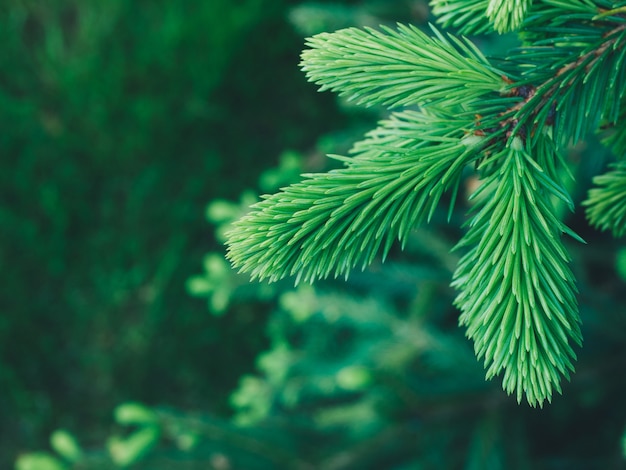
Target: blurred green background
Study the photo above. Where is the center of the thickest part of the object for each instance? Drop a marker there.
(121, 120)
(125, 125)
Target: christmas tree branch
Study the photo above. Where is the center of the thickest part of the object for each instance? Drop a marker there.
(516, 291)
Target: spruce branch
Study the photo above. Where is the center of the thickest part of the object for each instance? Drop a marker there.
(606, 204)
(507, 15)
(573, 69)
(572, 75)
(517, 294)
(400, 67)
(467, 16)
(516, 290)
(331, 222)
(481, 16)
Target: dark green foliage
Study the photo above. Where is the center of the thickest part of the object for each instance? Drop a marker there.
(465, 15)
(479, 16)
(584, 82)
(120, 120)
(606, 206)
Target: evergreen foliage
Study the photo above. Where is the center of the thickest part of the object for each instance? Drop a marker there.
(517, 291)
(606, 206)
(368, 373)
(510, 118)
(120, 121)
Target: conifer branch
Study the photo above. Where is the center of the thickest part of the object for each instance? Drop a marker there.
(331, 222)
(467, 16)
(517, 294)
(507, 15)
(516, 291)
(400, 67)
(606, 204)
(576, 77)
(581, 60)
(481, 16)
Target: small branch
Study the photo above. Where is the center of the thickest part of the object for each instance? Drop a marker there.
(593, 55)
(515, 117)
